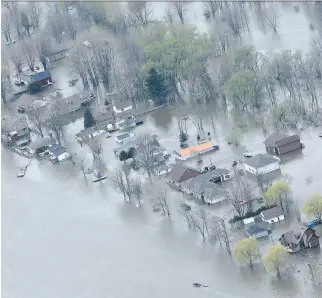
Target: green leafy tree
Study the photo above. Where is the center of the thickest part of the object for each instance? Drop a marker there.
(123, 156)
(313, 206)
(156, 86)
(89, 120)
(275, 259)
(178, 52)
(244, 90)
(246, 251)
(34, 87)
(25, 22)
(280, 192)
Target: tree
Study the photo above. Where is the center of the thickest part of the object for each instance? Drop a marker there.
(36, 116)
(13, 8)
(183, 138)
(30, 54)
(140, 12)
(180, 9)
(25, 22)
(275, 259)
(34, 11)
(131, 153)
(53, 119)
(162, 202)
(244, 89)
(56, 25)
(34, 87)
(96, 148)
(279, 192)
(246, 251)
(156, 86)
(313, 206)
(43, 45)
(6, 25)
(137, 190)
(89, 120)
(82, 163)
(123, 156)
(17, 60)
(122, 184)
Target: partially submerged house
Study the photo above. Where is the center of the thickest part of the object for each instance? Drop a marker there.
(105, 120)
(261, 164)
(299, 237)
(58, 153)
(282, 143)
(206, 186)
(257, 229)
(181, 173)
(15, 131)
(89, 133)
(44, 77)
(272, 215)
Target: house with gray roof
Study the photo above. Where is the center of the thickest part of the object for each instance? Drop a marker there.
(257, 229)
(261, 164)
(57, 52)
(207, 186)
(272, 215)
(282, 143)
(181, 173)
(299, 237)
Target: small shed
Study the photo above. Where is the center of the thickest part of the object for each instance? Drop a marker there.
(282, 143)
(43, 77)
(257, 230)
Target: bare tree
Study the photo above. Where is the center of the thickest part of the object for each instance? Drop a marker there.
(271, 18)
(17, 60)
(187, 215)
(200, 223)
(77, 58)
(169, 16)
(36, 116)
(148, 147)
(56, 25)
(100, 167)
(30, 54)
(82, 163)
(14, 10)
(43, 45)
(161, 201)
(211, 9)
(140, 12)
(223, 232)
(119, 182)
(6, 25)
(53, 119)
(96, 148)
(34, 11)
(25, 23)
(137, 190)
(180, 9)
(71, 25)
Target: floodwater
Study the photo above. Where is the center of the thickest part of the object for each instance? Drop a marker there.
(62, 237)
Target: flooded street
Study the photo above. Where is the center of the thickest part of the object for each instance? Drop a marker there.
(64, 236)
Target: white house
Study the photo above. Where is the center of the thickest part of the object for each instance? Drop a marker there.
(58, 153)
(272, 215)
(121, 106)
(261, 164)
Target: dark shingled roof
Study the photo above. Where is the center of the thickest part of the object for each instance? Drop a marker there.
(276, 140)
(180, 172)
(273, 212)
(122, 104)
(295, 233)
(260, 160)
(257, 227)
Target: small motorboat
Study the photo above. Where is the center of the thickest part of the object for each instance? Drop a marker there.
(320, 134)
(198, 285)
(100, 179)
(248, 154)
(186, 207)
(234, 163)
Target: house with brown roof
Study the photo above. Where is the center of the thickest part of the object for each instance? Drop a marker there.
(299, 237)
(282, 143)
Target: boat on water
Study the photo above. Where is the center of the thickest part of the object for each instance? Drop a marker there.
(198, 285)
(22, 172)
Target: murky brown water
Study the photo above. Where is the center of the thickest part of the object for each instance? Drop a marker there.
(63, 238)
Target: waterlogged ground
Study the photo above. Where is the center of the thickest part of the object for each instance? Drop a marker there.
(62, 237)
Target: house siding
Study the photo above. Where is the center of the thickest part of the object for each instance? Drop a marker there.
(274, 219)
(123, 110)
(268, 168)
(289, 147)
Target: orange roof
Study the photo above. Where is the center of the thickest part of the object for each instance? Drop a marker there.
(196, 149)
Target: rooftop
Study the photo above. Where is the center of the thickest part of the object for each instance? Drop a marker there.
(123, 136)
(15, 124)
(122, 104)
(195, 149)
(57, 150)
(260, 160)
(275, 139)
(295, 233)
(41, 142)
(179, 170)
(41, 75)
(273, 212)
(102, 117)
(256, 227)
